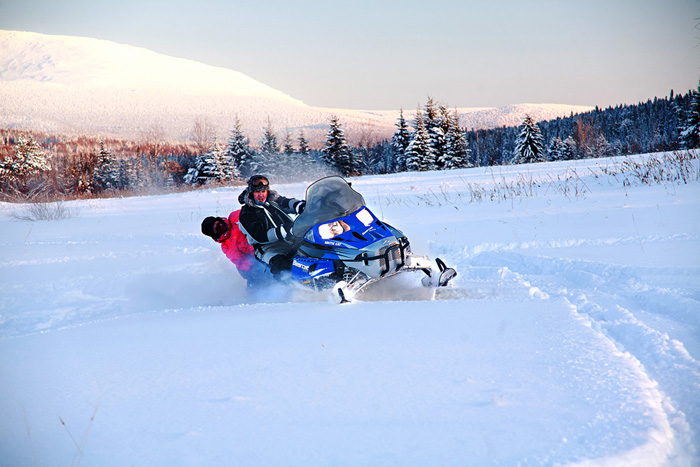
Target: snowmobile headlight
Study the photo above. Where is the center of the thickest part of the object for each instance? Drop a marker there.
(332, 229)
(365, 217)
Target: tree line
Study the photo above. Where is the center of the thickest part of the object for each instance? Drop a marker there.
(665, 124)
(35, 165)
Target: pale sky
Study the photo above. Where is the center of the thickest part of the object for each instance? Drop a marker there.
(386, 55)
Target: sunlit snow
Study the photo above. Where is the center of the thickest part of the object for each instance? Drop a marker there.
(569, 336)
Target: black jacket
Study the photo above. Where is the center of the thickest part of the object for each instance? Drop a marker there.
(263, 223)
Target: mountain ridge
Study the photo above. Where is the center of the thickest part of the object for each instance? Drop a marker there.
(77, 85)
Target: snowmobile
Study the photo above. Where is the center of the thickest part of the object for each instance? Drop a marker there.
(346, 248)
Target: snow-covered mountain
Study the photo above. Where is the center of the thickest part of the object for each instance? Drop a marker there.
(68, 84)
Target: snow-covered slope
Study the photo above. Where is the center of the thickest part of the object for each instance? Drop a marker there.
(98, 64)
(571, 335)
(82, 85)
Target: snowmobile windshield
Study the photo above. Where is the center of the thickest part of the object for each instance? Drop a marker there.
(327, 199)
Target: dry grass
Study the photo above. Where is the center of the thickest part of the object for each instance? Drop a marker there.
(679, 167)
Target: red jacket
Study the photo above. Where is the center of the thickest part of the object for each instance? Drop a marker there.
(235, 245)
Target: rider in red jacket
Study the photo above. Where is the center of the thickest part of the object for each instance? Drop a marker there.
(233, 243)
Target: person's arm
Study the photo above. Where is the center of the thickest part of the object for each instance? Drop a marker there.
(290, 205)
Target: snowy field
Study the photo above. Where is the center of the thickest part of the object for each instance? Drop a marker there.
(570, 336)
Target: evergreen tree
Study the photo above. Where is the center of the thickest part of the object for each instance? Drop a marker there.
(382, 159)
(238, 151)
(556, 148)
(399, 142)
(336, 152)
(456, 154)
(303, 144)
(439, 138)
(105, 176)
(128, 173)
(288, 146)
(434, 125)
(599, 148)
(568, 150)
(268, 157)
(304, 157)
(561, 150)
(209, 167)
(529, 147)
(690, 133)
(419, 147)
(29, 160)
(288, 160)
(228, 166)
(269, 142)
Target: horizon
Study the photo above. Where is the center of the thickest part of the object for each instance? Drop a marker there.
(476, 65)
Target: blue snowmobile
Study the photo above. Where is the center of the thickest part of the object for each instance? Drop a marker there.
(345, 247)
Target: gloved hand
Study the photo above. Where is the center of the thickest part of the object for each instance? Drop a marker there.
(300, 207)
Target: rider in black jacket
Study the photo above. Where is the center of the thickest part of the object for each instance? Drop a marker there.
(265, 220)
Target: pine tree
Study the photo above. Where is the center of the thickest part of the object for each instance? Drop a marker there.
(128, 173)
(433, 122)
(305, 162)
(399, 142)
(690, 132)
(568, 151)
(336, 151)
(268, 157)
(238, 151)
(106, 173)
(561, 150)
(419, 147)
(228, 166)
(556, 149)
(269, 142)
(439, 136)
(209, 167)
(29, 160)
(456, 152)
(529, 147)
(288, 146)
(303, 144)
(599, 148)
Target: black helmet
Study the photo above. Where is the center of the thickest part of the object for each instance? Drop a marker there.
(258, 183)
(208, 227)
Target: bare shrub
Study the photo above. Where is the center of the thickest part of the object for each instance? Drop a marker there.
(45, 212)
